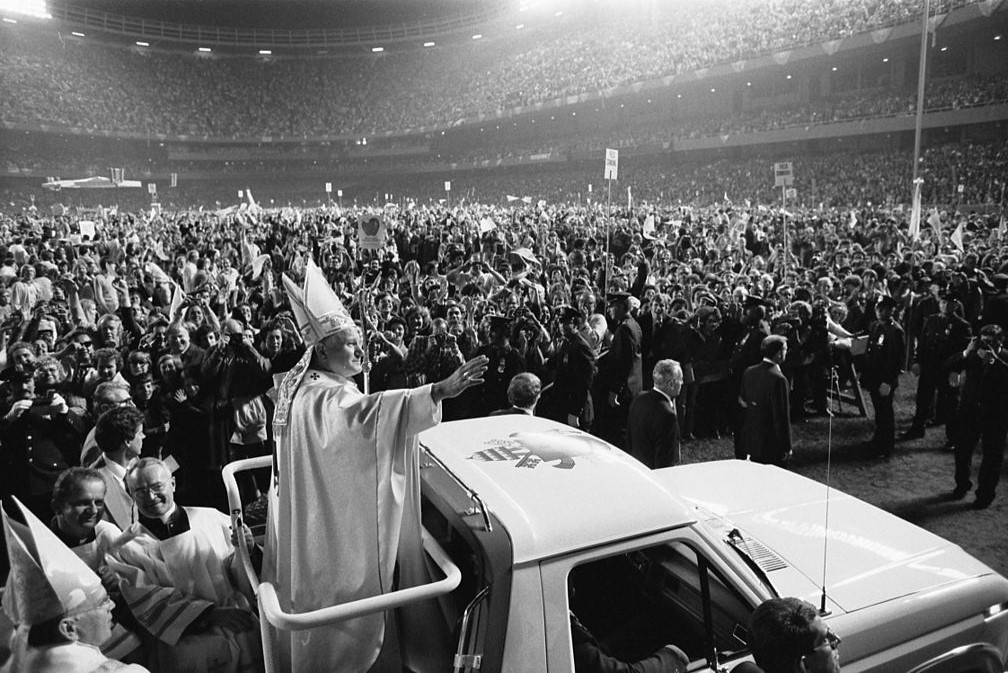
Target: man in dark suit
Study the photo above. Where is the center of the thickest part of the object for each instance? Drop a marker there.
(653, 424)
(982, 413)
(523, 394)
(619, 376)
(567, 399)
(883, 364)
(766, 408)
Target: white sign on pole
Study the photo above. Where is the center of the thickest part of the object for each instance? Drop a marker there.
(589, 188)
(339, 193)
(151, 188)
(783, 174)
(962, 188)
(447, 185)
(791, 193)
(241, 194)
(611, 164)
(328, 188)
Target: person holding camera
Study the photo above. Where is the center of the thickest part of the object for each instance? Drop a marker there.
(982, 416)
(235, 378)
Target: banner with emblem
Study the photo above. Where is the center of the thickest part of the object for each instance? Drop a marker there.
(371, 232)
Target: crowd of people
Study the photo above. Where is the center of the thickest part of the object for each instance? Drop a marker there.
(141, 359)
(61, 80)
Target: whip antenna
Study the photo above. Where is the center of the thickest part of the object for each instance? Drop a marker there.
(835, 385)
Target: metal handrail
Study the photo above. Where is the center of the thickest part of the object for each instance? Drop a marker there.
(269, 604)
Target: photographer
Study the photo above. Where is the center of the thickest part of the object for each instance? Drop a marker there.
(234, 379)
(982, 417)
(43, 431)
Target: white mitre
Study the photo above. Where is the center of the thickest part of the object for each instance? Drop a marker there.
(318, 311)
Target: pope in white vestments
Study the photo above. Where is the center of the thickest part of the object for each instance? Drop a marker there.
(345, 505)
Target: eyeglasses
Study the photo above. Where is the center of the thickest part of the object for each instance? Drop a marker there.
(157, 488)
(832, 640)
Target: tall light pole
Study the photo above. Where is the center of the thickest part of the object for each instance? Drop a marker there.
(921, 73)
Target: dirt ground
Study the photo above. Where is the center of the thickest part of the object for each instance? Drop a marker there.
(913, 484)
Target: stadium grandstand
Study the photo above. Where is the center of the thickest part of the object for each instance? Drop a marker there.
(489, 91)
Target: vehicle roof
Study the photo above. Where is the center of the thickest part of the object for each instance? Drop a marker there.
(554, 488)
(873, 556)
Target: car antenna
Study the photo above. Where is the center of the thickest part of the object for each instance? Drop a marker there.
(834, 386)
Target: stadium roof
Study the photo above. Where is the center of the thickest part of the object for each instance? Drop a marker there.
(290, 14)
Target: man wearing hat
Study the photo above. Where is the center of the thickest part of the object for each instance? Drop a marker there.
(619, 377)
(943, 335)
(883, 364)
(343, 510)
(505, 362)
(61, 611)
(573, 363)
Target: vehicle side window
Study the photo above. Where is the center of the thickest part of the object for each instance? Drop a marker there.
(633, 604)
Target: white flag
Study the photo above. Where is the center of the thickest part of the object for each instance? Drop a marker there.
(934, 219)
(915, 214)
(957, 238)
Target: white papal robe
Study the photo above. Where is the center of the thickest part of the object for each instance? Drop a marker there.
(122, 642)
(345, 502)
(69, 658)
(170, 583)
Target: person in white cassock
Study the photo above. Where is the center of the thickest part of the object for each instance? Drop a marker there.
(178, 572)
(345, 505)
(61, 611)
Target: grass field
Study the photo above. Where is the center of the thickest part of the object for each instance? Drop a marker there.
(913, 484)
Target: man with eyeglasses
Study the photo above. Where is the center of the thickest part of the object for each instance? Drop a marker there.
(786, 635)
(175, 567)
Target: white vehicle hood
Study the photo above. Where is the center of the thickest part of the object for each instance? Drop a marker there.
(871, 556)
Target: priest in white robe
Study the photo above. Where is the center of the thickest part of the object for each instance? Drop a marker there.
(346, 496)
(78, 501)
(178, 571)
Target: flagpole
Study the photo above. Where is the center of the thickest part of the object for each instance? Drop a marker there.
(921, 75)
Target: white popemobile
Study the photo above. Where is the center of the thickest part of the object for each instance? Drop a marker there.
(531, 521)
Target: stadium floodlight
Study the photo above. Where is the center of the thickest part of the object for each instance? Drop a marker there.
(265, 52)
(377, 50)
(428, 44)
(77, 33)
(943, 49)
(713, 90)
(834, 68)
(477, 36)
(205, 50)
(33, 8)
(7, 19)
(142, 44)
(519, 26)
(997, 38)
(559, 13)
(885, 60)
(789, 77)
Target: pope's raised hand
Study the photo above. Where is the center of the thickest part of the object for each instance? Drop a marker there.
(468, 375)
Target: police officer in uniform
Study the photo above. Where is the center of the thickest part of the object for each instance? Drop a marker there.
(504, 362)
(567, 400)
(943, 335)
(883, 364)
